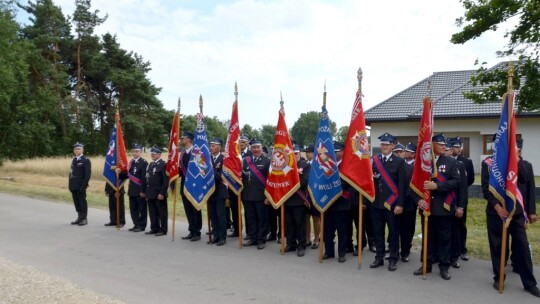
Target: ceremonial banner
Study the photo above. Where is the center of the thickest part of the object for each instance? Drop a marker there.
(283, 179)
(200, 182)
(424, 161)
(503, 173)
(324, 185)
(116, 156)
(232, 161)
(355, 167)
(172, 158)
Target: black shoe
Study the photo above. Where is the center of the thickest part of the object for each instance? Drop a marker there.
(83, 222)
(76, 222)
(110, 224)
(455, 264)
(271, 237)
(420, 270)
(496, 285)
(250, 243)
(161, 233)
(534, 291)
(260, 246)
(308, 244)
(289, 249)
(195, 238)
(137, 230)
(301, 252)
(326, 257)
(376, 263)
(232, 234)
(215, 241)
(150, 232)
(132, 228)
(221, 243)
(464, 257)
(445, 275)
(392, 266)
(342, 259)
(188, 237)
(314, 245)
(405, 259)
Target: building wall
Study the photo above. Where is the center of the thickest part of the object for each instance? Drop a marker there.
(474, 129)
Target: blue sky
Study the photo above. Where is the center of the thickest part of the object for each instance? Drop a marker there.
(203, 47)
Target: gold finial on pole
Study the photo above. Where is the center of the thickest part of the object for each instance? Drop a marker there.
(324, 94)
(235, 92)
(429, 86)
(511, 70)
(200, 104)
(359, 76)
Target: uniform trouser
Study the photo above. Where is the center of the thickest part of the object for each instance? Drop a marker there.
(407, 225)
(352, 220)
(439, 240)
(463, 232)
(256, 220)
(274, 220)
(194, 217)
(521, 255)
(158, 215)
(112, 209)
(138, 211)
(295, 226)
(218, 214)
(367, 228)
(455, 252)
(233, 209)
(380, 219)
(79, 200)
(335, 220)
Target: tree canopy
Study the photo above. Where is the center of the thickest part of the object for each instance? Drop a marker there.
(304, 130)
(523, 43)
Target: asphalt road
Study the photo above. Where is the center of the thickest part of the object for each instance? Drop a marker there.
(138, 268)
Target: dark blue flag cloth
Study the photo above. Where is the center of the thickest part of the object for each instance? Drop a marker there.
(200, 181)
(111, 161)
(324, 185)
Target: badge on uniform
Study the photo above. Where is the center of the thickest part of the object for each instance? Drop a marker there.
(135, 170)
(154, 171)
(442, 168)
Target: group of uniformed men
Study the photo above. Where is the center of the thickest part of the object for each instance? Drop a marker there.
(394, 208)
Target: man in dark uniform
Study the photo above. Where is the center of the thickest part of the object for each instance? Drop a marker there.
(443, 207)
(194, 216)
(295, 209)
(157, 184)
(111, 193)
(216, 203)
(407, 223)
(390, 191)
(521, 255)
(312, 214)
(337, 216)
(233, 198)
(79, 177)
(137, 201)
(457, 151)
(255, 169)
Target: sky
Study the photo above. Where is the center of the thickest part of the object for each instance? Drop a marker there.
(202, 47)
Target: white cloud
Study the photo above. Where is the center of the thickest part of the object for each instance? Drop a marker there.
(291, 46)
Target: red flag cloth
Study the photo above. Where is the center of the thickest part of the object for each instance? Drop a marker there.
(232, 161)
(121, 161)
(512, 190)
(355, 167)
(424, 162)
(172, 158)
(283, 179)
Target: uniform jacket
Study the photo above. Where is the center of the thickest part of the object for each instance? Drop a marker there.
(447, 166)
(408, 202)
(296, 200)
(137, 170)
(157, 180)
(526, 185)
(345, 201)
(79, 175)
(395, 166)
(469, 169)
(221, 191)
(184, 163)
(253, 188)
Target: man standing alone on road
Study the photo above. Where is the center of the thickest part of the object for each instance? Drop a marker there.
(79, 176)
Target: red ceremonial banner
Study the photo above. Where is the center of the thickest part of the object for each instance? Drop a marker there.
(232, 161)
(283, 179)
(174, 151)
(121, 161)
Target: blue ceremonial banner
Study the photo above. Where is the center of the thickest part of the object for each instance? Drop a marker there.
(200, 183)
(114, 159)
(324, 184)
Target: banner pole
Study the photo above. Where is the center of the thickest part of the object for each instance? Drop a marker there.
(117, 196)
(174, 208)
(424, 247)
(240, 233)
(282, 229)
(321, 241)
(360, 230)
(209, 224)
(503, 258)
